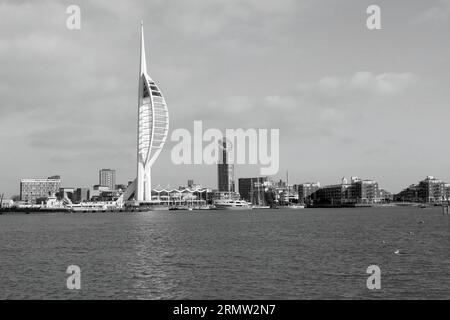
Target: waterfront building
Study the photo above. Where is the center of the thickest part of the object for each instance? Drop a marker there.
(305, 190)
(225, 171)
(446, 191)
(253, 189)
(429, 190)
(385, 196)
(82, 195)
(224, 195)
(364, 191)
(357, 192)
(183, 196)
(97, 191)
(153, 127)
(107, 178)
(66, 194)
(110, 195)
(32, 189)
(333, 195)
(409, 194)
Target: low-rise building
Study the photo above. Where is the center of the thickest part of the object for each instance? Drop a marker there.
(409, 194)
(333, 195)
(385, 196)
(357, 192)
(429, 190)
(32, 189)
(365, 191)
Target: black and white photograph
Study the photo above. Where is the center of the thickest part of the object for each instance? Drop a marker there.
(224, 156)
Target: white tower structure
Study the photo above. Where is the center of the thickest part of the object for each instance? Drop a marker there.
(152, 131)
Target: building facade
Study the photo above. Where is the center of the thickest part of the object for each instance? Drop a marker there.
(33, 189)
(409, 194)
(429, 190)
(305, 190)
(225, 172)
(385, 196)
(82, 195)
(365, 191)
(107, 178)
(357, 192)
(333, 195)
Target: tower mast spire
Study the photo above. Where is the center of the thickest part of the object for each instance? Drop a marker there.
(143, 68)
(152, 130)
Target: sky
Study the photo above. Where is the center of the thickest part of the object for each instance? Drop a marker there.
(348, 101)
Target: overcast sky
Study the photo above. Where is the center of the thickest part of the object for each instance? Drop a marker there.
(348, 101)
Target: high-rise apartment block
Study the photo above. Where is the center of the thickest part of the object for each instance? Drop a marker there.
(107, 178)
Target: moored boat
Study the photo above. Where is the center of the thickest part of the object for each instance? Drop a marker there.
(260, 207)
(229, 204)
(295, 206)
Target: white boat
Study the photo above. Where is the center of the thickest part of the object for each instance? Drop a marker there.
(295, 206)
(229, 204)
(260, 207)
(88, 207)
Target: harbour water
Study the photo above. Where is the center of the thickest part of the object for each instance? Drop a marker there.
(255, 254)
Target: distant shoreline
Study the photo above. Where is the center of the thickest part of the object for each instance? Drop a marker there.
(21, 211)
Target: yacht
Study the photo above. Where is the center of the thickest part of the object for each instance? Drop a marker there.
(295, 206)
(260, 207)
(229, 204)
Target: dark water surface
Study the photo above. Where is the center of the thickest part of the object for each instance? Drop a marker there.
(258, 254)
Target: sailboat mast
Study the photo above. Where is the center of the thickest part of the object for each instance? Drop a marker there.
(257, 188)
(287, 184)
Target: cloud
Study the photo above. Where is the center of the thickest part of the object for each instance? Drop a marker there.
(363, 81)
(69, 97)
(438, 13)
(311, 109)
